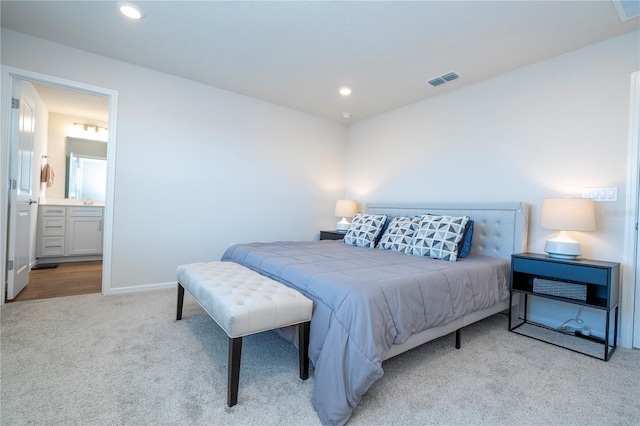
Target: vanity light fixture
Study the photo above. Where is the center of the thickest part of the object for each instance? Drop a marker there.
(89, 131)
(345, 91)
(130, 10)
(90, 127)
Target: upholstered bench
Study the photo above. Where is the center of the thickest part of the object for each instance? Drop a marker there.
(243, 302)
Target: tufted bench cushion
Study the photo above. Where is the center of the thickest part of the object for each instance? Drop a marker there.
(243, 302)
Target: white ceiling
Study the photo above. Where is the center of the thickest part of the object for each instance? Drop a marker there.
(70, 102)
(299, 53)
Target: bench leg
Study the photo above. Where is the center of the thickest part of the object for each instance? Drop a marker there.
(180, 302)
(303, 351)
(233, 380)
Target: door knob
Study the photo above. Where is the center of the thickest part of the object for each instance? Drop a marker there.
(32, 201)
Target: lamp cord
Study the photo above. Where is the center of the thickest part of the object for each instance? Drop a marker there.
(568, 330)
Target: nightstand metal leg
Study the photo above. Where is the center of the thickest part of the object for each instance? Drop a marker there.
(510, 309)
(606, 337)
(615, 329)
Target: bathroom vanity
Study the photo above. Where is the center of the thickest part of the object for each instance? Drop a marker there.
(69, 231)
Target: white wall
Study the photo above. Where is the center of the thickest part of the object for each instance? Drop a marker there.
(545, 130)
(197, 167)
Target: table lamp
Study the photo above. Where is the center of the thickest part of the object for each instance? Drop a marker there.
(345, 209)
(566, 214)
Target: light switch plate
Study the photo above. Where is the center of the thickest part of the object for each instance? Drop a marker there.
(601, 195)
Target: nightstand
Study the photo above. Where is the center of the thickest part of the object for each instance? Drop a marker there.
(581, 282)
(331, 235)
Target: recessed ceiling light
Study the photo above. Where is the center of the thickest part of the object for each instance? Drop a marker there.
(130, 11)
(346, 115)
(345, 91)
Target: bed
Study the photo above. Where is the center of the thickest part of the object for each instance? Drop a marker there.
(372, 304)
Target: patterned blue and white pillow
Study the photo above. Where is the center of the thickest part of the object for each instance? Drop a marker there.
(437, 237)
(364, 230)
(399, 233)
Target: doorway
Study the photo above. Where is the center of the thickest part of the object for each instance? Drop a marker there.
(71, 90)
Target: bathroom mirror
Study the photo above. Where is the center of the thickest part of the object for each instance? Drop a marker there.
(87, 178)
(86, 169)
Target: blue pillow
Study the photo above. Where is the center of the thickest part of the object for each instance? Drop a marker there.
(465, 244)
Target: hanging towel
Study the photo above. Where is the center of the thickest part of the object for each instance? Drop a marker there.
(46, 175)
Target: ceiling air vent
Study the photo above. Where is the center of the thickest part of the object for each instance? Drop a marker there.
(436, 82)
(450, 76)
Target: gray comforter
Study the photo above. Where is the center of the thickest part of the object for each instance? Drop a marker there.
(366, 300)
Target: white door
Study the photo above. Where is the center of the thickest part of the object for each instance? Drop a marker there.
(20, 175)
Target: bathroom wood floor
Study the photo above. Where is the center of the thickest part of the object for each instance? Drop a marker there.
(68, 279)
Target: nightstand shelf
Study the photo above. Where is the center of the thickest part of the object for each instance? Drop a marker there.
(331, 235)
(591, 283)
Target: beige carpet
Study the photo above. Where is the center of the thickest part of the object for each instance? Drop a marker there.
(124, 360)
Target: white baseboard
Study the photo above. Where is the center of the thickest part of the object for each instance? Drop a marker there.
(69, 259)
(140, 288)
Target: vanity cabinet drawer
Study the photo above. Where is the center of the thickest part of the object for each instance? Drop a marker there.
(52, 246)
(52, 226)
(52, 211)
(84, 211)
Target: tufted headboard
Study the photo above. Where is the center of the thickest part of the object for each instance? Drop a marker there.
(500, 229)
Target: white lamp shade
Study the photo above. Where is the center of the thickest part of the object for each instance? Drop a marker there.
(566, 214)
(346, 208)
